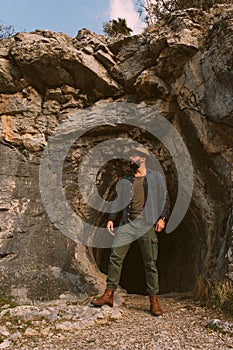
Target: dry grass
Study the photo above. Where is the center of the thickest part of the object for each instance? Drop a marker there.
(7, 301)
(222, 296)
(217, 294)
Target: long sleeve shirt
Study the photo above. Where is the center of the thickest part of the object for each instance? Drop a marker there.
(157, 203)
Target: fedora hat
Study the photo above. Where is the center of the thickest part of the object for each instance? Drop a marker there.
(141, 150)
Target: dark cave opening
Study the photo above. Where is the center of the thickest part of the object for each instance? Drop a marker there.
(178, 263)
(182, 252)
(189, 253)
(180, 258)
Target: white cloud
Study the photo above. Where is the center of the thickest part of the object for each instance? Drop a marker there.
(126, 9)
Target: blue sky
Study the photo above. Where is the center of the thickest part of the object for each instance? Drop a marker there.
(67, 16)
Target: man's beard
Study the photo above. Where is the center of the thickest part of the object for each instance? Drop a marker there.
(134, 167)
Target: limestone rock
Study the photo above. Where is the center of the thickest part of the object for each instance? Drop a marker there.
(106, 59)
(15, 336)
(225, 327)
(50, 59)
(27, 102)
(10, 77)
(4, 331)
(86, 38)
(5, 344)
(30, 332)
(133, 57)
(211, 71)
(176, 41)
(95, 45)
(22, 196)
(148, 84)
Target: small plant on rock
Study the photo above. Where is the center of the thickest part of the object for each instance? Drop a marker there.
(116, 27)
(6, 31)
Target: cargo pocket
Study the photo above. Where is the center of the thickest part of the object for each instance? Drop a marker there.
(154, 246)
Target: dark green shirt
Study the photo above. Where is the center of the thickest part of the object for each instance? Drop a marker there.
(138, 200)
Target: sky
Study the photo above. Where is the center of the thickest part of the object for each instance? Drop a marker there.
(67, 16)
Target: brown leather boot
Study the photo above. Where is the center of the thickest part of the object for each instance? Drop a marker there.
(155, 309)
(105, 299)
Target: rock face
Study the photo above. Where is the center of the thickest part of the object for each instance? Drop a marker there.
(182, 69)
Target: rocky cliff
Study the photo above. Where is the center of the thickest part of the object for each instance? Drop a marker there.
(180, 69)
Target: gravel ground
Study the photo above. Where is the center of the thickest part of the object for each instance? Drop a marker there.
(183, 326)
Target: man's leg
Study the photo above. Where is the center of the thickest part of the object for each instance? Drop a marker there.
(149, 248)
(120, 248)
(116, 260)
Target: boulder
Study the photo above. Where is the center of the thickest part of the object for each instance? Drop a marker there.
(207, 78)
(49, 60)
(148, 84)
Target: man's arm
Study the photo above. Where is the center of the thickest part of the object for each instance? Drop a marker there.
(161, 223)
(118, 203)
(166, 208)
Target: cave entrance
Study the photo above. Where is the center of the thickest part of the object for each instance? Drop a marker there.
(132, 276)
(181, 253)
(178, 263)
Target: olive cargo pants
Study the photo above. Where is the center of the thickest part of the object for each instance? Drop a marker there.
(148, 242)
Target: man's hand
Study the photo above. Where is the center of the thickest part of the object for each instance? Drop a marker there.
(160, 224)
(110, 227)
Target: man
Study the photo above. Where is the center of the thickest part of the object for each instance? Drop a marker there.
(145, 214)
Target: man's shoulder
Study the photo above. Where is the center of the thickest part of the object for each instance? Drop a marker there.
(155, 176)
(154, 173)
